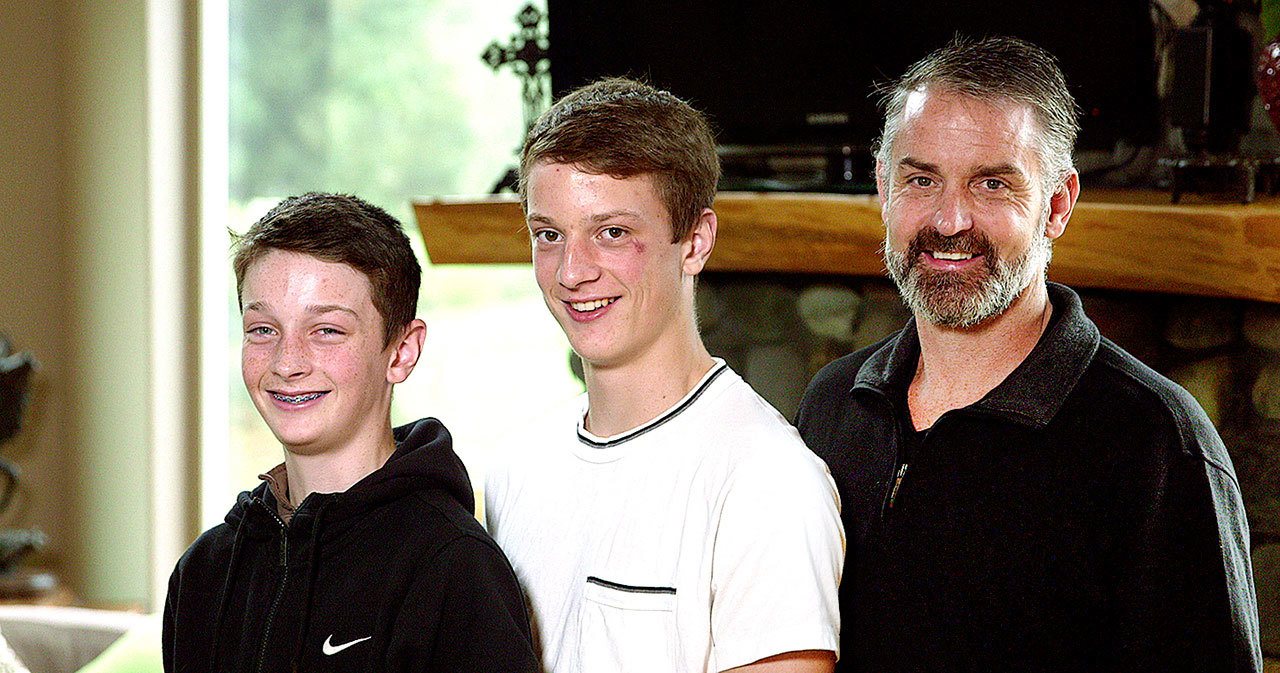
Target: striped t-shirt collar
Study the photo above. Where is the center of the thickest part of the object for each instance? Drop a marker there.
(687, 401)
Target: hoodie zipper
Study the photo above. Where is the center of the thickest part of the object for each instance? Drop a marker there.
(284, 578)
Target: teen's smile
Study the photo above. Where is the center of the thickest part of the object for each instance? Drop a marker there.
(296, 400)
(587, 310)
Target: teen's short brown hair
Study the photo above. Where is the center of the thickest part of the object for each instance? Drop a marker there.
(623, 128)
(347, 230)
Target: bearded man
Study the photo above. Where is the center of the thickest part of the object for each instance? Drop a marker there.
(1019, 493)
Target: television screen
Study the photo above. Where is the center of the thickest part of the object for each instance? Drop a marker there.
(802, 74)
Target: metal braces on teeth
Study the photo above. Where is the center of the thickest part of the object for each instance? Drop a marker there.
(296, 399)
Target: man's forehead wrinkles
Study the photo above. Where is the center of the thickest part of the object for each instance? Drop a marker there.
(919, 164)
(1003, 168)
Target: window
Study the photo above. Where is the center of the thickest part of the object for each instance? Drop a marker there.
(388, 100)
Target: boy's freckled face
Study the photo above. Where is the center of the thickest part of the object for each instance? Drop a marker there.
(313, 357)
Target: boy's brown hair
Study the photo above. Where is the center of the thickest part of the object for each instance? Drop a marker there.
(623, 128)
(347, 230)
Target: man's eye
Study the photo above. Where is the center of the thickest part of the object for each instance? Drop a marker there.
(547, 236)
(329, 331)
(921, 181)
(993, 184)
(614, 232)
(260, 330)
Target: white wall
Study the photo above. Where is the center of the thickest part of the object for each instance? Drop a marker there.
(35, 264)
(79, 226)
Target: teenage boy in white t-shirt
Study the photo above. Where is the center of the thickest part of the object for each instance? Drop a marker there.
(671, 520)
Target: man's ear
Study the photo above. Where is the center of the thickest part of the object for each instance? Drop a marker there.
(882, 189)
(1061, 203)
(406, 351)
(697, 246)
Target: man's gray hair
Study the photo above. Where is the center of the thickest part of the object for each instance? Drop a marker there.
(994, 69)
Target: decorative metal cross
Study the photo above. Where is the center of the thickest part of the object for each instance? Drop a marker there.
(528, 53)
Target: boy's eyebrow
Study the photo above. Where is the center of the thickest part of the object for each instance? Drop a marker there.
(317, 309)
(598, 217)
(622, 212)
(327, 308)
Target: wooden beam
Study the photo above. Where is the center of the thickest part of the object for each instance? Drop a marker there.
(487, 230)
(1116, 239)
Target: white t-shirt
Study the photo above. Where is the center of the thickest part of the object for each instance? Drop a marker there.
(705, 539)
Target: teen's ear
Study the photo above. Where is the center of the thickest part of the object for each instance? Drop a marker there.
(406, 351)
(697, 247)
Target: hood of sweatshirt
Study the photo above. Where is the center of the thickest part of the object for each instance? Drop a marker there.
(423, 461)
(423, 465)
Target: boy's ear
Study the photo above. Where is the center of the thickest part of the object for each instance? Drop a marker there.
(406, 351)
(697, 247)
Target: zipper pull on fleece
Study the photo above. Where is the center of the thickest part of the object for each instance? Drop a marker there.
(897, 483)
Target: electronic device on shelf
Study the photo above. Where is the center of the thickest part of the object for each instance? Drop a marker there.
(791, 87)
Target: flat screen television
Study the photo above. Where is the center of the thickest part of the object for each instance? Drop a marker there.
(801, 75)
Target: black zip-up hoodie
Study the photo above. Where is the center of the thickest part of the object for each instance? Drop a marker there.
(393, 574)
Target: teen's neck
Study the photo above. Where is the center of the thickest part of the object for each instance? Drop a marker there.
(338, 469)
(627, 396)
(958, 367)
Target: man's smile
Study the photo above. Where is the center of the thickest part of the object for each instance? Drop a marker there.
(950, 256)
(951, 260)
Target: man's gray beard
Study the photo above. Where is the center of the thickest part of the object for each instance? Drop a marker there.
(959, 300)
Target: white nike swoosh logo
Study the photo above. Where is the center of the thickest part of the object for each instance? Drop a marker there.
(330, 648)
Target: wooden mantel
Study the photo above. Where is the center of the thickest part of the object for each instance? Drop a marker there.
(1116, 239)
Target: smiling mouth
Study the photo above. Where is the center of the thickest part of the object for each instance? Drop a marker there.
(298, 399)
(951, 256)
(585, 306)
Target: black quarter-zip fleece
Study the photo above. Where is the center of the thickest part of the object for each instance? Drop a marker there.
(1082, 516)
